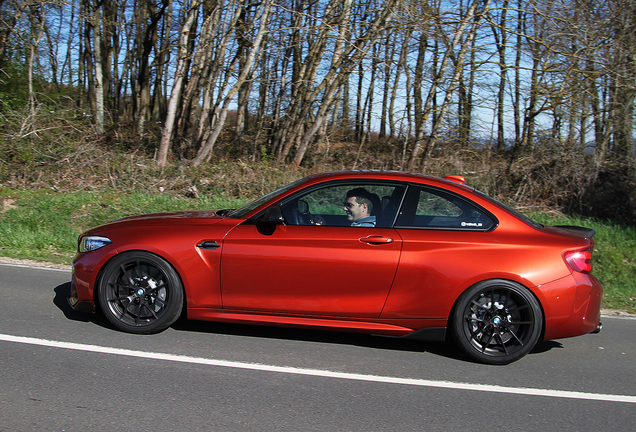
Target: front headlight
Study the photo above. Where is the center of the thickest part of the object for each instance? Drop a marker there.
(91, 243)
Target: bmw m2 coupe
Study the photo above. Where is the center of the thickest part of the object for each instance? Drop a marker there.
(386, 253)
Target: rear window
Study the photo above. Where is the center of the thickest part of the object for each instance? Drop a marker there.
(431, 208)
(511, 210)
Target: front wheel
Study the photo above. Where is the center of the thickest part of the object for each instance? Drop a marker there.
(497, 322)
(140, 292)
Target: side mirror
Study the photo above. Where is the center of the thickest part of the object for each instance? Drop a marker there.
(273, 215)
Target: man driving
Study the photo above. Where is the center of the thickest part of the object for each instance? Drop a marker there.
(358, 206)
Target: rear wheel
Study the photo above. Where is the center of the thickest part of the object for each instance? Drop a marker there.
(140, 292)
(497, 322)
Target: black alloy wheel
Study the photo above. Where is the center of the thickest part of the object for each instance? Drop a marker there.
(497, 322)
(140, 292)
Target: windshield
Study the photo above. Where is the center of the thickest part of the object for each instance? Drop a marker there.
(241, 212)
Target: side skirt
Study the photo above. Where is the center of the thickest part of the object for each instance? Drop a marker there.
(431, 334)
(383, 328)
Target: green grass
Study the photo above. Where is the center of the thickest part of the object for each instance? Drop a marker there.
(44, 225)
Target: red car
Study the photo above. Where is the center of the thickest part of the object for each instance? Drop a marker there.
(387, 253)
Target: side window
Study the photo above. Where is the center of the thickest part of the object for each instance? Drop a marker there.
(433, 205)
(360, 204)
(436, 209)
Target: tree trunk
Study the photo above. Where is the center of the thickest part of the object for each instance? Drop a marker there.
(501, 42)
(177, 87)
(37, 22)
(99, 81)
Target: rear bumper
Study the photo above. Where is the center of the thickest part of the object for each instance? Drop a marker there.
(584, 309)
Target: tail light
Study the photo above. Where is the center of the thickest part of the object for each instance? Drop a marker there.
(580, 261)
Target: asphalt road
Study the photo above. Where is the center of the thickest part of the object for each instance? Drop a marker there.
(65, 371)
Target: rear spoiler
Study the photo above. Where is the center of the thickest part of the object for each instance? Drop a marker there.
(589, 233)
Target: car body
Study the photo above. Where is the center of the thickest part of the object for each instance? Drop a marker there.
(442, 259)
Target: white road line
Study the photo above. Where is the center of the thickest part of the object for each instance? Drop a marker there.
(65, 270)
(321, 373)
(619, 317)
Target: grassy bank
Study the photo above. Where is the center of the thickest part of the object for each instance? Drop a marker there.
(44, 225)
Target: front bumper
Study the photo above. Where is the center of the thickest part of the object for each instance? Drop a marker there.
(74, 300)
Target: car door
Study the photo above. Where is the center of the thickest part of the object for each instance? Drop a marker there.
(446, 240)
(314, 264)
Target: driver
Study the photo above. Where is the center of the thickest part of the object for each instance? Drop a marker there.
(358, 206)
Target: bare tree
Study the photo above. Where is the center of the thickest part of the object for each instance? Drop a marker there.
(623, 74)
(99, 71)
(227, 90)
(147, 19)
(177, 86)
(500, 35)
(10, 14)
(37, 23)
(463, 37)
(347, 54)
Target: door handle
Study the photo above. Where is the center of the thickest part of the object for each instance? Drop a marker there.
(208, 244)
(376, 239)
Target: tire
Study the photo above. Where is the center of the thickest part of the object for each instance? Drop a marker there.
(497, 322)
(140, 293)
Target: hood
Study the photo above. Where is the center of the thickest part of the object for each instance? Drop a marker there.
(161, 222)
(188, 214)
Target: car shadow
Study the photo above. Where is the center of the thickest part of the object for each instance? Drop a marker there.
(60, 301)
(443, 349)
(545, 346)
(446, 349)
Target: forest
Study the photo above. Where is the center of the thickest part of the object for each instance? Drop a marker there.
(532, 98)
